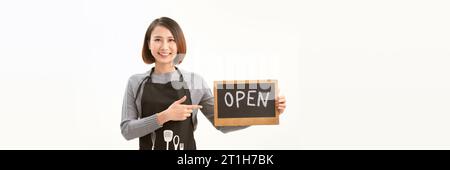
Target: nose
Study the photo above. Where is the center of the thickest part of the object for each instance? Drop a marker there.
(165, 45)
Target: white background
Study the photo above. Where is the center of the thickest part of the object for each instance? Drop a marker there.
(356, 74)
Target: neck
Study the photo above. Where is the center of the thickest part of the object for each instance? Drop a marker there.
(164, 68)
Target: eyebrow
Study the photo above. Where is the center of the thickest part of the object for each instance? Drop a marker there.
(157, 36)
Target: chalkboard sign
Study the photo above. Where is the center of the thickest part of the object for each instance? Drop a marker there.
(245, 102)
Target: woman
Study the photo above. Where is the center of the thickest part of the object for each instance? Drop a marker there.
(167, 98)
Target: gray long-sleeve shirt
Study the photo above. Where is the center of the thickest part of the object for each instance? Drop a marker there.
(133, 126)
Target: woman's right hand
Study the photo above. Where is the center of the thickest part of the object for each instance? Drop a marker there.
(177, 111)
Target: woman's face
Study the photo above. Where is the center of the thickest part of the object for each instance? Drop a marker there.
(162, 45)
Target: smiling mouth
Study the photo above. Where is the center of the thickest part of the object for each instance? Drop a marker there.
(164, 54)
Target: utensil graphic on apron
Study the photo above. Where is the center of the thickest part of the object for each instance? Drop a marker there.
(157, 98)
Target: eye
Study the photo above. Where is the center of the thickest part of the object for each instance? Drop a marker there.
(157, 39)
(171, 40)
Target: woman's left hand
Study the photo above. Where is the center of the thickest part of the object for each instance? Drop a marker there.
(280, 103)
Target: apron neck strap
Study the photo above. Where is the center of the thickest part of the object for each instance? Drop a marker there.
(181, 79)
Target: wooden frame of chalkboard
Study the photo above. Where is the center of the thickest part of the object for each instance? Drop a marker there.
(268, 116)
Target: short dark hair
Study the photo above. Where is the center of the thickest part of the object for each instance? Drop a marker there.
(177, 33)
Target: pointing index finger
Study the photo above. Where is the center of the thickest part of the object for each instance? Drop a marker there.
(195, 106)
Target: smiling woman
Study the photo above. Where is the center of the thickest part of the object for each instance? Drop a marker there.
(161, 105)
(167, 34)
